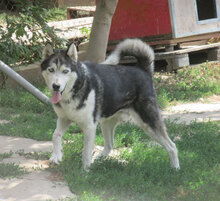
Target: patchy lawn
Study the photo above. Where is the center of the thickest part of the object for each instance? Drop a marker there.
(142, 169)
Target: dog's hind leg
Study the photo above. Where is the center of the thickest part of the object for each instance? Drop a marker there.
(108, 128)
(152, 123)
(62, 126)
(160, 135)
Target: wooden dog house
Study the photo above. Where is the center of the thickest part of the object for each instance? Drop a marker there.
(165, 19)
(169, 24)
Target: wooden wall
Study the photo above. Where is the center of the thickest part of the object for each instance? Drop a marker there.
(140, 18)
(185, 22)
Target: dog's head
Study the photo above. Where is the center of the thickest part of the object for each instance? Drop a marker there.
(59, 69)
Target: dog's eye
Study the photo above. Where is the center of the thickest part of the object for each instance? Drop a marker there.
(65, 71)
(51, 70)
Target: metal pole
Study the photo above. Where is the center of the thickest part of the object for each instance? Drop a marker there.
(24, 83)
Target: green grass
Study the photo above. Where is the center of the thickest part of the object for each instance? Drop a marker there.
(5, 155)
(10, 170)
(188, 84)
(20, 100)
(26, 115)
(28, 124)
(142, 171)
(34, 155)
(145, 174)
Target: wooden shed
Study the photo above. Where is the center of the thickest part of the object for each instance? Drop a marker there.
(167, 20)
(169, 24)
(172, 27)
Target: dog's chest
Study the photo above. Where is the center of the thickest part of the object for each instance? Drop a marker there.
(69, 109)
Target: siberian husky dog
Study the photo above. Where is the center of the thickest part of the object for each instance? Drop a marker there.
(87, 94)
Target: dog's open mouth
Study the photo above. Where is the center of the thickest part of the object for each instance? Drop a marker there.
(56, 97)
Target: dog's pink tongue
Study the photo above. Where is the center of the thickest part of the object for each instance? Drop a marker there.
(56, 96)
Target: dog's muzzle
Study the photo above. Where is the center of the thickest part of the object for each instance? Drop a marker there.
(56, 87)
(57, 94)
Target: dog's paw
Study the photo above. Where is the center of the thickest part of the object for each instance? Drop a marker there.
(86, 165)
(86, 168)
(177, 168)
(56, 158)
(99, 157)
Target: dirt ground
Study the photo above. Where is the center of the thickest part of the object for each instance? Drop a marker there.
(204, 110)
(42, 184)
(39, 183)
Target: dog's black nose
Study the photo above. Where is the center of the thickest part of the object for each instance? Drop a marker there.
(56, 87)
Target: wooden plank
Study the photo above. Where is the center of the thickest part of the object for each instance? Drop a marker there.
(65, 24)
(83, 8)
(71, 34)
(70, 29)
(171, 54)
(161, 41)
(88, 9)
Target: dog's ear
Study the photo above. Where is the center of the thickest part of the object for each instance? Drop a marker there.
(48, 50)
(72, 52)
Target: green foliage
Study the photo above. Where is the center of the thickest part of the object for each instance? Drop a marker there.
(34, 155)
(10, 170)
(188, 84)
(89, 197)
(56, 14)
(21, 40)
(5, 155)
(87, 31)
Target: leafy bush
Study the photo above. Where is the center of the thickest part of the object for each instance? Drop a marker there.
(21, 40)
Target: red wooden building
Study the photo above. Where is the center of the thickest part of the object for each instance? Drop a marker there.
(165, 21)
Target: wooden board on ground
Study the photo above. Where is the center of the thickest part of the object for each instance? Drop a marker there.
(79, 11)
(71, 29)
(187, 49)
(180, 58)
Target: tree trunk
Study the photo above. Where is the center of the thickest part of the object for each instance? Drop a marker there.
(100, 30)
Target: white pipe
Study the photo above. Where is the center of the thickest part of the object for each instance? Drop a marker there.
(24, 83)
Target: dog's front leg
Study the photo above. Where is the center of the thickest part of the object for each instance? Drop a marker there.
(89, 139)
(62, 126)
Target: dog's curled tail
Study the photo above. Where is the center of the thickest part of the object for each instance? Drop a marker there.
(133, 47)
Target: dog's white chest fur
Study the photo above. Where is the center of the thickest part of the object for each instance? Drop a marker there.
(69, 110)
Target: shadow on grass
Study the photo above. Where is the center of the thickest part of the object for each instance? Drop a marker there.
(145, 174)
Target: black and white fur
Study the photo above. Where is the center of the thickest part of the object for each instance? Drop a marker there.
(106, 93)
